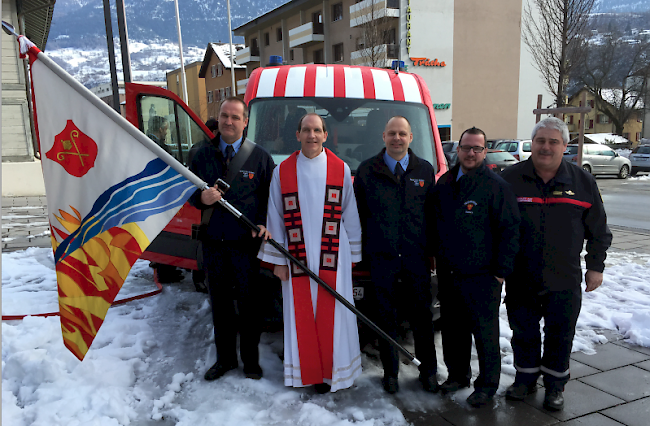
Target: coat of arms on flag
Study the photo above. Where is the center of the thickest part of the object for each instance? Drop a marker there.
(110, 190)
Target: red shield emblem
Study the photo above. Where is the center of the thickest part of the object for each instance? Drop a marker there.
(73, 150)
(251, 175)
(421, 184)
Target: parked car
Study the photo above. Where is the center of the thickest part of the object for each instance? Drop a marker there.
(519, 149)
(449, 148)
(640, 159)
(499, 160)
(601, 160)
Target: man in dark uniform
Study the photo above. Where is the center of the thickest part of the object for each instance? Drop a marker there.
(229, 249)
(560, 207)
(476, 239)
(393, 191)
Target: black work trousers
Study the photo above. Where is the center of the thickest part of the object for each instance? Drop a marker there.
(405, 294)
(560, 310)
(469, 305)
(233, 274)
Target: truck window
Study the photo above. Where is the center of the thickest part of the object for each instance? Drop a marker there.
(354, 126)
(180, 131)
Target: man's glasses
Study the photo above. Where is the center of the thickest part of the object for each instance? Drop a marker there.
(476, 149)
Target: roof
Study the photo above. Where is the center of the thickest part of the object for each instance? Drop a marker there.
(613, 97)
(38, 19)
(272, 15)
(222, 50)
(603, 139)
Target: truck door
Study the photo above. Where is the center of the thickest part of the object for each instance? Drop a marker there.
(146, 108)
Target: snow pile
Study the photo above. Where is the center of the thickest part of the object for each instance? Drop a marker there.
(147, 363)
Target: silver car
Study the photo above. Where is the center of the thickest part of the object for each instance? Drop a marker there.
(600, 159)
(640, 158)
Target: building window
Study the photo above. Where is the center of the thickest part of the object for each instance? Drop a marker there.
(266, 39)
(227, 92)
(291, 55)
(602, 119)
(570, 119)
(214, 71)
(626, 136)
(255, 49)
(638, 136)
(591, 124)
(209, 96)
(337, 12)
(318, 56)
(278, 34)
(591, 103)
(338, 52)
(219, 70)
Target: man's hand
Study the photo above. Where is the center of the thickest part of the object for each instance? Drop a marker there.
(210, 196)
(499, 279)
(282, 272)
(264, 233)
(593, 279)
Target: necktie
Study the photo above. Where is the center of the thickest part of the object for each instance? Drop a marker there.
(230, 152)
(399, 171)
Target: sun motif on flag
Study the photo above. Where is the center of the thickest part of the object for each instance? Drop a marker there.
(96, 270)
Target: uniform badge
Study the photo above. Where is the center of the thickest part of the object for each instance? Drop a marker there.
(247, 174)
(418, 182)
(469, 206)
(557, 192)
(569, 192)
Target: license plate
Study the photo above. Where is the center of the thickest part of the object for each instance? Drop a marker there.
(357, 293)
(641, 158)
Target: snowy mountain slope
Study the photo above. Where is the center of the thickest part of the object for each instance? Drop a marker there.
(77, 38)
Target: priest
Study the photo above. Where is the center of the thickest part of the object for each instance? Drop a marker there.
(313, 213)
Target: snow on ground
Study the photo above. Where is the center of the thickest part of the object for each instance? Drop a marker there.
(147, 363)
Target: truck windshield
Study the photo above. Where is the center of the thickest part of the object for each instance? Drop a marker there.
(354, 126)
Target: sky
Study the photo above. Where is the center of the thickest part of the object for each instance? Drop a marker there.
(147, 363)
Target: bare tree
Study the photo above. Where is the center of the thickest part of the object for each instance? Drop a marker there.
(616, 72)
(375, 34)
(554, 30)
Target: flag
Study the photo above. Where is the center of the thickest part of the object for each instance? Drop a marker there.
(110, 190)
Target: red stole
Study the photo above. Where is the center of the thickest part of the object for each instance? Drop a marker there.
(315, 335)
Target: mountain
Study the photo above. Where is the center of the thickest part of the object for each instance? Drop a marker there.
(77, 39)
(620, 6)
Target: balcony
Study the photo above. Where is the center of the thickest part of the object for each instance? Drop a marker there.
(369, 10)
(383, 55)
(246, 55)
(306, 35)
(241, 86)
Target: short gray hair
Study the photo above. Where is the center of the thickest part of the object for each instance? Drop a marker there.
(553, 123)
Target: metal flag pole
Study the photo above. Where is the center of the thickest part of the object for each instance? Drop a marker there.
(233, 91)
(322, 283)
(124, 40)
(180, 52)
(111, 55)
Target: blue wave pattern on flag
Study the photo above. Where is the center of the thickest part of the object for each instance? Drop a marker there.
(157, 189)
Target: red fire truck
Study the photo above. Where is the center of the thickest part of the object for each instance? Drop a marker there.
(355, 102)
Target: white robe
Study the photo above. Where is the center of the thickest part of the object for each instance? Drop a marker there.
(312, 176)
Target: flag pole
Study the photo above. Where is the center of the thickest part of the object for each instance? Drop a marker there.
(233, 92)
(26, 46)
(322, 283)
(180, 52)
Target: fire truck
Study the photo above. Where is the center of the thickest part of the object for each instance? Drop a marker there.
(355, 102)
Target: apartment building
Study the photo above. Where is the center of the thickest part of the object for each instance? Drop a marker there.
(597, 122)
(216, 73)
(196, 93)
(470, 52)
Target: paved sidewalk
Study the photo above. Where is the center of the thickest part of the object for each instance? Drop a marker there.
(610, 388)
